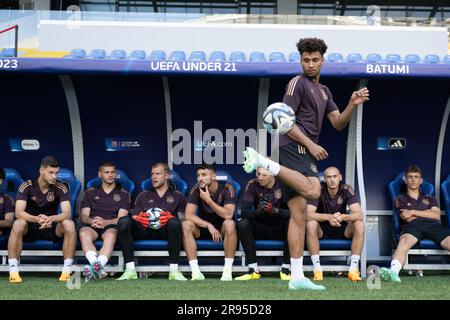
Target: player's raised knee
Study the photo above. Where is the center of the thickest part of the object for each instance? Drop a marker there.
(19, 226)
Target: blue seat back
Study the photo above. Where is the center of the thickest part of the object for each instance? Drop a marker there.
(98, 54)
(217, 56)
(118, 54)
(180, 184)
(257, 56)
(395, 190)
(67, 177)
(277, 57)
(294, 57)
(445, 188)
(12, 182)
(177, 55)
(412, 58)
(197, 56)
(354, 57)
(393, 58)
(78, 53)
(447, 59)
(7, 53)
(121, 178)
(432, 58)
(374, 57)
(138, 55)
(334, 57)
(157, 55)
(237, 56)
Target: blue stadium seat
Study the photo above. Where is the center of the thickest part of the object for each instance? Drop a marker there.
(121, 178)
(180, 184)
(237, 56)
(447, 59)
(78, 54)
(225, 176)
(67, 177)
(277, 57)
(354, 57)
(294, 57)
(445, 188)
(197, 56)
(395, 188)
(412, 58)
(393, 58)
(7, 53)
(118, 54)
(177, 55)
(217, 56)
(157, 55)
(12, 182)
(432, 58)
(98, 54)
(334, 57)
(257, 56)
(138, 55)
(374, 57)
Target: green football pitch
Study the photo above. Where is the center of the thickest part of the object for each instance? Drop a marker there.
(46, 286)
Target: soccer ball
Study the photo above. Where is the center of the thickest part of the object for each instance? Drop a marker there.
(279, 117)
(154, 218)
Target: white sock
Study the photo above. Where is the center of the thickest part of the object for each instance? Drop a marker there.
(13, 265)
(103, 260)
(396, 266)
(194, 266)
(286, 266)
(130, 266)
(354, 263)
(173, 267)
(67, 265)
(270, 165)
(297, 269)
(254, 266)
(315, 258)
(91, 256)
(228, 263)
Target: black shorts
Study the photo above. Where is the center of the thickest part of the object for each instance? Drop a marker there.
(330, 232)
(34, 233)
(426, 229)
(274, 231)
(298, 158)
(100, 232)
(206, 235)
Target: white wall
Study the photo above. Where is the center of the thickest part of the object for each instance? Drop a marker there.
(67, 35)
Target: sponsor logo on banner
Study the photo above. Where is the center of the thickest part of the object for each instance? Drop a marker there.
(385, 143)
(21, 145)
(122, 144)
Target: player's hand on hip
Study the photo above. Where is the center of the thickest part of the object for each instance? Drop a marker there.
(318, 152)
(359, 96)
(216, 236)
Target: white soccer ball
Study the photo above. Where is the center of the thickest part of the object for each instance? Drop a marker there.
(154, 218)
(279, 117)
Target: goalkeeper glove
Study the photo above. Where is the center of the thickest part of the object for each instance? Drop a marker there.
(142, 218)
(164, 217)
(266, 206)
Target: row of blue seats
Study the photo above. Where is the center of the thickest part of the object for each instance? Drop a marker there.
(257, 56)
(239, 56)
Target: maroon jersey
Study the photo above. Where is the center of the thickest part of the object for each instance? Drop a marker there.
(172, 201)
(310, 102)
(6, 205)
(422, 203)
(42, 203)
(224, 195)
(329, 205)
(106, 205)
